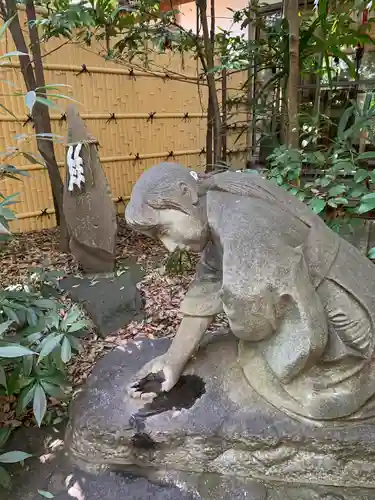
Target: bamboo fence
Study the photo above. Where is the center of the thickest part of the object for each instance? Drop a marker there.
(140, 117)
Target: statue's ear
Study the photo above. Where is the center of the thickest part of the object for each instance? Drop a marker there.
(188, 193)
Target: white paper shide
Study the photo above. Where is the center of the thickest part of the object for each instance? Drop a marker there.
(75, 166)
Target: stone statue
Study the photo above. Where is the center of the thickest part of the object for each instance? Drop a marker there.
(300, 299)
(88, 208)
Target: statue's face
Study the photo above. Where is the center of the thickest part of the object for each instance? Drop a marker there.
(179, 230)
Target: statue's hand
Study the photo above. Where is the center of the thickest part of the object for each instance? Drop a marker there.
(156, 376)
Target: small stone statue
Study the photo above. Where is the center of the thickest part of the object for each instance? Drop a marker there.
(88, 208)
(300, 299)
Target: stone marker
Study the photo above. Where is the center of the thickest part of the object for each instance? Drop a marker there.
(289, 394)
(88, 208)
(110, 302)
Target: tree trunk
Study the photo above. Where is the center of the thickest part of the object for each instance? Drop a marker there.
(209, 137)
(41, 117)
(250, 89)
(292, 88)
(224, 97)
(209, 55)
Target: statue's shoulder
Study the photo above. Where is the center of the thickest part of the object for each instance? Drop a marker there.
(253, 185)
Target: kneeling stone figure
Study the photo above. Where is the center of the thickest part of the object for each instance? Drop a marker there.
(300, 299)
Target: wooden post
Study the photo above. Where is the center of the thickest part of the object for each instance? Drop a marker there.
(250, 87)
(224, 98)
(292, 89)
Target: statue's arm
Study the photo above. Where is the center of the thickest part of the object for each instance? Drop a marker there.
(187, 340)
(203, 297)
(201, 304)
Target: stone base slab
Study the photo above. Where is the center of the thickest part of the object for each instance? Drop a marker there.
(210, 425)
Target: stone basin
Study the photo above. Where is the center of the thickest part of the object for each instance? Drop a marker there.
(212, 432)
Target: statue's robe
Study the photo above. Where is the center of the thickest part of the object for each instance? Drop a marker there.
(300, 299)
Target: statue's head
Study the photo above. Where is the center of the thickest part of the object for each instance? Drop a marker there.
(165, 204)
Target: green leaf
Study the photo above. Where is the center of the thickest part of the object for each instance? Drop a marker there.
(66, 351)
(53, 86)
(13, 457)
(344, 121)
(336, 190)
(326, 181)
(14, 351)
(62, 96)
(25, 398)
(5, 480)
(33, 336)
(4, 327)
(371, 253)
(3, 377)
(27, 365)
(341, 201)
(13, 381)
(53, 390)
(369, 155)
(46, 304)
(39, 404)
(25, 381)
(75, 343)
(5, 433)
(317, 205)
(46, 102)
(9, 83)
(361, 175)
(13, 54)
(358, 191)
(5, 26)
(319, 157)
(7, 214)
(46, 494)
(346, 165)
(8, 111)
(56, 358)
(46, 135)
(366, 206)
(368, 197)
(53, 319)
(73, 314)
(79, 325)
(32, 159)
(31, 316)
(50, 345)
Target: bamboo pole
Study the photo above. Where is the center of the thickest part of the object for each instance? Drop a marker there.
(250, 86)
(292, 94)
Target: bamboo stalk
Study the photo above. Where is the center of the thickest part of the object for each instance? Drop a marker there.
(292, 105)
(109, 71)
(105, 116)
(250, 87)
(145, 156)
(224, 98)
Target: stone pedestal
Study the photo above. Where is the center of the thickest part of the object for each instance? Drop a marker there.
(110, 302)
(212, 433)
